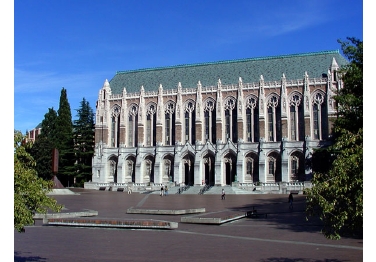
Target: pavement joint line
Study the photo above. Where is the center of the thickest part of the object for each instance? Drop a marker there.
(139, 204)
(272, 240)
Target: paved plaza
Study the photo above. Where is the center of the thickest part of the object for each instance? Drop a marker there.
(278, 234)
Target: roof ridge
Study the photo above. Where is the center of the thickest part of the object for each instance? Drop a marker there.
(229, 61)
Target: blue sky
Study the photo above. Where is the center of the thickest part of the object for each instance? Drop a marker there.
(79, 44)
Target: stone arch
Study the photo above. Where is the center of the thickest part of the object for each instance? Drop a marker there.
(273, 167)
(297, 166)
(112, 166)
(229, 168)
(251, 167)
(130, 170)
(148, 169)
(188, 168)
(208, 162)
(168, 168)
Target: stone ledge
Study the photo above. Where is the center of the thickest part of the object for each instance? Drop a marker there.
(212, 220)
(89, 213)
(165, 211)
(151, 224)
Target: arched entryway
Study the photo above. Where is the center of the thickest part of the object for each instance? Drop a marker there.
(168, 169)
(148, 169)
(274, 167)
(230, 168)
(112, 169)
(297, 170)
(188, 162)
(252, 167)
(130, 172)
(209, 169)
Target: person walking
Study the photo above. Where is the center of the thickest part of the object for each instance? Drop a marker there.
(129, 190)
(291, 199)
(162, 189)
(166, 190)
(223, 194)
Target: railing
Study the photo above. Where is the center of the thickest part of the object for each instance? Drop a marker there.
(278, 187)
(204, 189)
(184, 188)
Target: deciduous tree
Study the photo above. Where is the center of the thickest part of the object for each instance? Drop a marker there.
(29, 189)
(337, 195)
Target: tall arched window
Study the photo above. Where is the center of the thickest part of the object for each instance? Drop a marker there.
(210, 118)
(150, 125)
(189, 122)
(252, 119)
(169, 124)
(231, 120)
(318, 101)
(115, 126)
(272, 119)
(295, 117)
(132, 126)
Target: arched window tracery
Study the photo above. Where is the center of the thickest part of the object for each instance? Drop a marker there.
(115, 126)
(132, 125)
(169, 123)
(210, 118)
(272, 107)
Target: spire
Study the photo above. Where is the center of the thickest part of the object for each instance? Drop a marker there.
(334, 65)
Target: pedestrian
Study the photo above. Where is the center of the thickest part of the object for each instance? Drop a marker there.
(291, 199)
(162, 189)
(129, 190)
(166, 191)
(223, 194)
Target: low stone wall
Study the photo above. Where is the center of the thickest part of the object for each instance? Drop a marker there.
(272, 188)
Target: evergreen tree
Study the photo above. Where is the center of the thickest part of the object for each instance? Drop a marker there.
(29, 190)
(65, 145)
(84, 142)
(337, 195)
(44, 144)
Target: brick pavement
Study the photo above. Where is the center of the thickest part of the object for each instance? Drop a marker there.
(283, 235)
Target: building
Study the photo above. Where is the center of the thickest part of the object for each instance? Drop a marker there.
(33, 134)
(237, 122)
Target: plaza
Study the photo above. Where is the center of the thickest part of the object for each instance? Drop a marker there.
(280, 235)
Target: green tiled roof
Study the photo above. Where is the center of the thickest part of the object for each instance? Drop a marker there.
(272, 68)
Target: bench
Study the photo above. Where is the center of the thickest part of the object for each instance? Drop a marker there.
(254, 214)
(102, 188)
(120, 189)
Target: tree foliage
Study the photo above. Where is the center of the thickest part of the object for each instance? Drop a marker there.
(337, 195)
(42, 148)
(29, 189)
(65, 143)
(84, 142)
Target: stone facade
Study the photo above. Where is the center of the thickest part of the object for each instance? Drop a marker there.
(230, 132)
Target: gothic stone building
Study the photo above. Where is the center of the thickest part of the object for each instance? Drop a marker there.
(240, 121)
